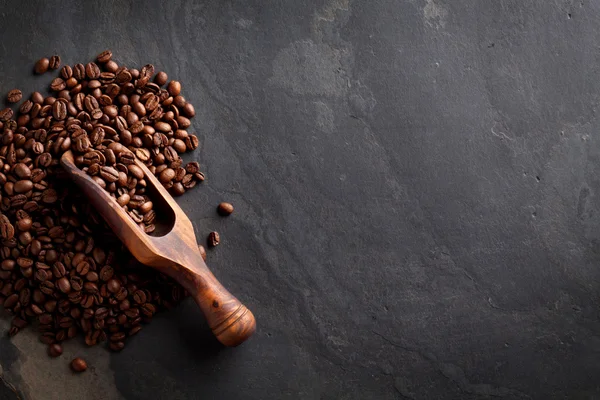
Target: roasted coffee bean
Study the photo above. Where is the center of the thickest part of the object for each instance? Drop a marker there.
(191, 142)
(213, 239)
(225, 208)
(66, 72)
(11, 301)
(54, 62)
(92, 70)
(177, 189)
(174, 88)
(55, 350)
(64, 285)
(166, 175)
(78, 365)
(161, 78)
(109, 174)
(6, 114)
(58, 84)
(104, 57)
(7, 230)
(14, 96)
(41, 66)
(188, 110)
(114, 285)
(106, 273)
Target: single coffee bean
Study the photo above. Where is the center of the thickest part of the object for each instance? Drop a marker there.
(78, 365)
(55, 350)
(23, 186)
(11, 301)
(92, 70)
(54, 62)
(106, 273)
(6, 114)
(104, 57)
(213, 239)
(14, 96)
(58, 84)
(174, 88)
(166, 175)
(41, 66)
(177, 189)
(188, 110)
(64, 285)
(66, 72)
(161, 78)
(225, 208)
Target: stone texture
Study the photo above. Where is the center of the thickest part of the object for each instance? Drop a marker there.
(416, 202)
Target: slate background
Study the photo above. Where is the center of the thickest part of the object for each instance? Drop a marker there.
(416, 186)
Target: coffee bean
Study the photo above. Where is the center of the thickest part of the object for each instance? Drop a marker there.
(104, 57)
(14, 96)
(6, 114)
(41, 66)
(11, 301)
(92, 71)
(66, 72)
(7, 230)
(23, 186)
(191, 142)
(64, 285)
(188, 110)
(225, 208)
(54, 62)
(58, 84)
(166, 175)
(213, 239)
(109, 174)
(55, 350)
(174, 88)
(161, 78)
(177, 189)
(78, 365)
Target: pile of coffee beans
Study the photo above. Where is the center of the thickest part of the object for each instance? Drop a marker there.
(60, 265)
(113, 168)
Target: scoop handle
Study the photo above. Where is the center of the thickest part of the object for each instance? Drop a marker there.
(230, 321)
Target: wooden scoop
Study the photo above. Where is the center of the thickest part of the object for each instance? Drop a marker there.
(172, 249)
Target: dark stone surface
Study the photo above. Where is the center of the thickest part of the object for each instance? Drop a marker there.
(415, 185)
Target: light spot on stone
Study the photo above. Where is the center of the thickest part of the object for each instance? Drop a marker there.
(310, 68)
(243, 23)
(325, 118)
(434, 14)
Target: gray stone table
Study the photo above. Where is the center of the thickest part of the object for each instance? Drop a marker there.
(417, 186)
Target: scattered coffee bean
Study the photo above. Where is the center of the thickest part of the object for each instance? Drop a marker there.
(55, 350)
(54, 62)
(78, 365)
(161, 78)
(41, 66)
(14, 96)
(225, 208)
(213, 239)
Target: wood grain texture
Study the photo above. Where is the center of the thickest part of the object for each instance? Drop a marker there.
(175, 253)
